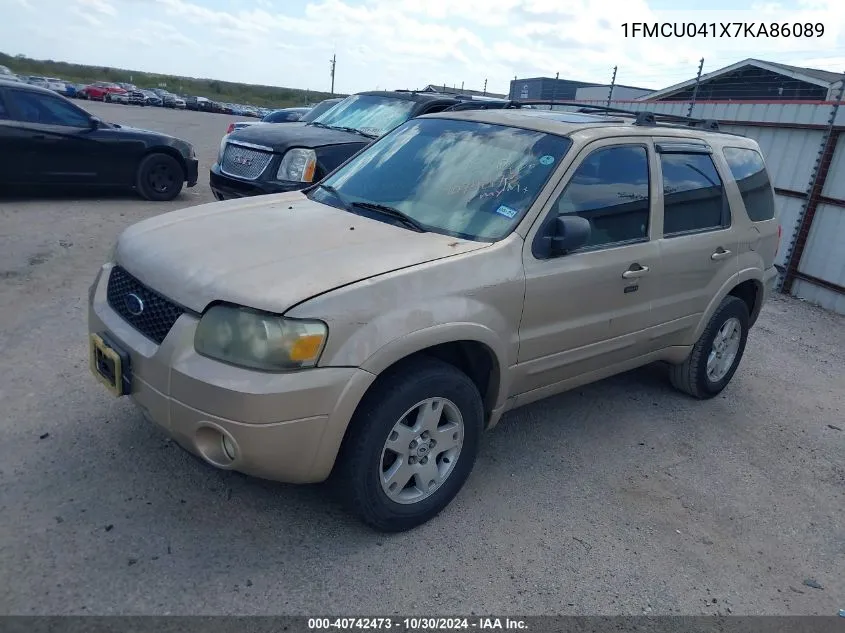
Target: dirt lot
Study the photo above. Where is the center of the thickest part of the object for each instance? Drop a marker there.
(622, 497)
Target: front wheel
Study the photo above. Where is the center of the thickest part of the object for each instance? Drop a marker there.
(160, 177)
(716, 355)
(411, 445)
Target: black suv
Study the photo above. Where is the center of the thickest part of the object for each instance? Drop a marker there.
(263, 159)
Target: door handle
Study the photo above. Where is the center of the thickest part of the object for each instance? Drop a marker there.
(720, 254)
(635, 271)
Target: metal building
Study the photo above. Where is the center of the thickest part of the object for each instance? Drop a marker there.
(756, 80)
(546, 88)
(591, 93)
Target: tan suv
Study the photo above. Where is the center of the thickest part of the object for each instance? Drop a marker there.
(372, 326)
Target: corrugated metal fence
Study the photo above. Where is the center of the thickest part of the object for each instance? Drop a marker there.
(799, 141)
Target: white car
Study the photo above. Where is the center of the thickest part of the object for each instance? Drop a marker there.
(179, 102)
(117, 97)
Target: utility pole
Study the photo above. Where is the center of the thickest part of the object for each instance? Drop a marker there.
(462, 86)
(554, 91)
(485, 87)
(334, 62)
(695, 90)
(612, 86)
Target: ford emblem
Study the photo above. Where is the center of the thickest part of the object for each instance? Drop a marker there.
(134, 304)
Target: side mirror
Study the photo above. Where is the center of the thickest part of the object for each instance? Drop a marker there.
(567, 233)
(95, 122)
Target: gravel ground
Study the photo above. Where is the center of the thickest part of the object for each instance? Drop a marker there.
(623, 497)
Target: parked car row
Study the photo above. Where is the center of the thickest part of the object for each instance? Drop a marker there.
(127, 93)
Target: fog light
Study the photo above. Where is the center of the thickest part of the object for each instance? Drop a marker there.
(228, 447)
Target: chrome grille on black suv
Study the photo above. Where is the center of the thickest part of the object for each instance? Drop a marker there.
(244, 162)
(146, 310)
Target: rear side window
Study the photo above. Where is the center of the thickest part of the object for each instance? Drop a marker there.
(749, 171)
(693, 195)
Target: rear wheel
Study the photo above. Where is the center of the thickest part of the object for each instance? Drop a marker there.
(160, 177)
(411, 445)
(716, 355)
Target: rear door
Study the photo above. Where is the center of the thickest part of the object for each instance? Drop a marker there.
(698, 241)
(62, 146)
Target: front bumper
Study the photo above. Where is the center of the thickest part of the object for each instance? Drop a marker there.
(192, 174)
(285, 427)
(225, 187)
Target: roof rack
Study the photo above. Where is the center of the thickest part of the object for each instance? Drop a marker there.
(643, 118)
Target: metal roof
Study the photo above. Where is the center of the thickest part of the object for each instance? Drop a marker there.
(809, 75)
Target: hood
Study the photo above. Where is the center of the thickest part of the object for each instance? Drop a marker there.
(283, 136)
(270, 252)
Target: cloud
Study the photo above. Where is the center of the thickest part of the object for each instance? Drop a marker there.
(404, 43)
(101, 6)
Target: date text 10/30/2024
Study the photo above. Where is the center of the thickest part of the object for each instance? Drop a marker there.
(417, 624)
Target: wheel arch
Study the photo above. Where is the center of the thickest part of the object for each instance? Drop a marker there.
(473, 349)
(165, 149)
(746, 285)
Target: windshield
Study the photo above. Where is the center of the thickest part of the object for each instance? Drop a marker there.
(318, 110)
(463, 178)
(370, 114)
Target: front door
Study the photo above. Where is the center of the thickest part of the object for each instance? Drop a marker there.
(586, 310)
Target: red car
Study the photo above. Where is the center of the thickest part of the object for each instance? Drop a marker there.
(98, 90)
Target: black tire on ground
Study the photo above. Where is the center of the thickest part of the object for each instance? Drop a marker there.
(691, 375)
(160, 177)
(356, 476)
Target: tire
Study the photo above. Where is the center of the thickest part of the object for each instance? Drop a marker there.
(692, 376)
(160, 177)
(106, 97)
(364, 456)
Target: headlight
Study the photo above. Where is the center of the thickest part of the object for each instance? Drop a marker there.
(220, 151)
(259, 340)
(298, 165)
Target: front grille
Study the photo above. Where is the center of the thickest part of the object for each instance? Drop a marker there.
(157, 314)
(244, 162)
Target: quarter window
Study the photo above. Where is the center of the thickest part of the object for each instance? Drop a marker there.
(693, 195)
(749, 171)
(610, 189)
(32, 107)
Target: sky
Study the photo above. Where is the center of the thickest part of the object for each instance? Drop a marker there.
(390, 44)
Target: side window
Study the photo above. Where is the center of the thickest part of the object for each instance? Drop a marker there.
(749, 171)
(693, 195)
(610, 189)
(33, 107)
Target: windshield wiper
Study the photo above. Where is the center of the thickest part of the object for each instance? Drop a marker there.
(354, 130)
(351, 130)
(405, 219)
